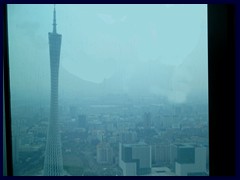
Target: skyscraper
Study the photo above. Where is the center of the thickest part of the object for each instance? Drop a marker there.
(135, 159)
(104, 153)
(189, 159)
(53, 163)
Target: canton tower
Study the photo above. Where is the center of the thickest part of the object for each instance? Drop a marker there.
(53, 162)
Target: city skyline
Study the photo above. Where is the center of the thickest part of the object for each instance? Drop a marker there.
(129, 96)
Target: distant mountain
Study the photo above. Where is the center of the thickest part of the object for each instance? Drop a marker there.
(188, 81)
(151, 78)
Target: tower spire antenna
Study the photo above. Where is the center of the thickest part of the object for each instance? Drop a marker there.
(54, 20)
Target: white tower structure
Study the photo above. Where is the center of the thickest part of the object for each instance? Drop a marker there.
(53, 163)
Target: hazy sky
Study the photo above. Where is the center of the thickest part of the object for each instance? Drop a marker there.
(100, 40)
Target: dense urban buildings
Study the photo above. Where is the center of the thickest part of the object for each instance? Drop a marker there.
(95, 147)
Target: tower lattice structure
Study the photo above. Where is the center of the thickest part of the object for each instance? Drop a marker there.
(53, 162)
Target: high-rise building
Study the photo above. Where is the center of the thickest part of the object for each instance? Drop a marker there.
(82, 121)
(53, 163)
(135, 159)
(104, 153)
(147, 120)
(189, 159)
(128, 137)
(160, 154)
